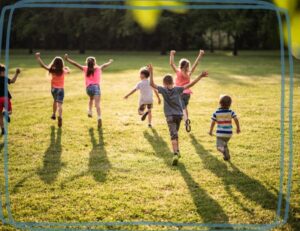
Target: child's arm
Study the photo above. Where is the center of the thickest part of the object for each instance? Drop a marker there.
(43, 65)
(212, 125)
(152, 84)
(201, 53)
(105, 65)
(130, 93)
(73, 62)
(157, 95)
(237, 123)
(191, 84)
(172, 63)
(14, 79)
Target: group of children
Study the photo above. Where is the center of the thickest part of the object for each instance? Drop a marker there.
(176, 96)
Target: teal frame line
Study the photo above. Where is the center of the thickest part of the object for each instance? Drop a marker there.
(247, 4)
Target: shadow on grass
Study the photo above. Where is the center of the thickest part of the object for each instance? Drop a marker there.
(99, 164)
(52, 158)
(207, 207)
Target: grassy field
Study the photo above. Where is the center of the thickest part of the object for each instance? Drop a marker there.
(123, 172)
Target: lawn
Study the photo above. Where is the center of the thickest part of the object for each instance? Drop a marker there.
(123, 172)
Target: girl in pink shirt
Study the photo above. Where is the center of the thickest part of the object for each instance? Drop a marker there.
(92, 73)
(58, 71)
(183, 77)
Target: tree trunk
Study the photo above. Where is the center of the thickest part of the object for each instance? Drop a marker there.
(212, 41)
(235, 45)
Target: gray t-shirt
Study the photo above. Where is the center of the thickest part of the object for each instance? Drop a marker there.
(172, 100)
(146, 92)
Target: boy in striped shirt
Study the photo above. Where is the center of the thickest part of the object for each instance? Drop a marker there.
(223, 117)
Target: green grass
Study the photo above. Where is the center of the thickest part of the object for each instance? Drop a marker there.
(124, 172)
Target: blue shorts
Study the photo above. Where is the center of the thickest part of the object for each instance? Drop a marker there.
(93, 90)
(58, 94)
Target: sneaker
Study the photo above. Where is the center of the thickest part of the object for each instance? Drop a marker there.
(149, 125)
(2, 131)
(6, 116)
(226, 154)
(90, 114)
(144, 116)
(175, 159)
(53, 117)
(59, 122)
(99, 123)
(188, 125)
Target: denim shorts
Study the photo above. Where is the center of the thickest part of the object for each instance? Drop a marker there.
(58, 94)
(93, 90)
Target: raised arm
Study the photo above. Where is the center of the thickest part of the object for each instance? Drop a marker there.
(66, 57)
(237, 123)
(40, 61)
(201, 53)
(191, 84)
(105, 65)
(157, 95)
(152, 84)
(14, 79)
(172, 63)
(130, 93)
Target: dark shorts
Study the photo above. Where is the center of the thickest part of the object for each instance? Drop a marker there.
(58, 94)
(222, 142)
(174, 125)
(144, 106)
(2, 104)
(93, 90)
(185, 98)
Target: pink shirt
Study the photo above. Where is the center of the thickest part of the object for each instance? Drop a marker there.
(58, 81)
(92, 79)
(182, 80)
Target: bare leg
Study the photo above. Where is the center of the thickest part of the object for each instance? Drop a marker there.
(149, 116)
(97, 105)
(91, 105)
(175, 145)
(59, 105)
(54, 107)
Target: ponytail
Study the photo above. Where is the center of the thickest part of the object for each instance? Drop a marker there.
(90, 66)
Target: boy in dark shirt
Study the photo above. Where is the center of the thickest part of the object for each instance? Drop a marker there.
(173, 105)
(3, 99)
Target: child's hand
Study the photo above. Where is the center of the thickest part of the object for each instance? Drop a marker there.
(172, 52)
(204, 74)
(18, 71)
(150, 67)
(126, 97)
(38, 55)
(238, 130)
(201, 53)
(66, 56)
(111, 60)
(210, 133)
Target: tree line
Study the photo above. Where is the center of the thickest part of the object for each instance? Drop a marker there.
(113, 29)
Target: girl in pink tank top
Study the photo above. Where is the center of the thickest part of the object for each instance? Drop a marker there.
(92, 74)
(58, 71)
(183, 77)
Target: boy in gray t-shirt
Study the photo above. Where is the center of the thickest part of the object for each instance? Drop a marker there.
(146, 95)
(173, 105)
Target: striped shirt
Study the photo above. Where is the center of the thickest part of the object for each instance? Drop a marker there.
(223, 117)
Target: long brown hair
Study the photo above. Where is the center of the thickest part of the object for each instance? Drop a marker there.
(91, 62)
(57, 66)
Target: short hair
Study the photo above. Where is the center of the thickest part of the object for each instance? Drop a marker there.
(168, 79)
(225, 101)
(2, 68)
(144, 71)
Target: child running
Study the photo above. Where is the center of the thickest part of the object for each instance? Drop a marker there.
(223, 117)
(146, 96)
(57, 70)
(92, 74)
(5, 112)
(173, 106)
(183, 77)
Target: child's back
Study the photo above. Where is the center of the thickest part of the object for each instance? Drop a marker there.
(146, 92)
